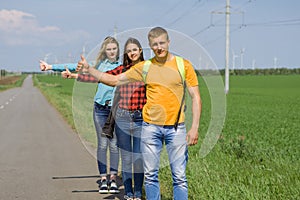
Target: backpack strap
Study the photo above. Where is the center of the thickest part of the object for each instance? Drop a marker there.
(146, 69)
(180, 65)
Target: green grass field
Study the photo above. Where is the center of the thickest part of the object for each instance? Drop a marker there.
(257, 154)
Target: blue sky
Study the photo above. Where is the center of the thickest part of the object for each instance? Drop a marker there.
(264, 33)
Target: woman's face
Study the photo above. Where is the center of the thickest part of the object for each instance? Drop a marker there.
(133, 52)
(111, 51)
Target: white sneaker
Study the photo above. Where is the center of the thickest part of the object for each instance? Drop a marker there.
(113, 189)
(103, 187)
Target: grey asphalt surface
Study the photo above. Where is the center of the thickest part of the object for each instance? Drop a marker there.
(41, 157)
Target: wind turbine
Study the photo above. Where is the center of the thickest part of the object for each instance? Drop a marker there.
(275, 62)
(84, 48)
(234, 56)
(253, 64)
(242, 57)
(47, 56)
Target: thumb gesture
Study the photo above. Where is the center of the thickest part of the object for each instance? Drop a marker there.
(66, 74)
(82, 65)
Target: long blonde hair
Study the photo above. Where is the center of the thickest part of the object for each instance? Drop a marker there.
(102, 55)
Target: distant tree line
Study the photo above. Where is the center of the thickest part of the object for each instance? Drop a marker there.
(269, 71)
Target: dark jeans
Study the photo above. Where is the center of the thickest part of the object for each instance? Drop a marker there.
(100, 115)
(129, 138)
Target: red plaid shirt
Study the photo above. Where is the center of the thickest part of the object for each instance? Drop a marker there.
(132, 95)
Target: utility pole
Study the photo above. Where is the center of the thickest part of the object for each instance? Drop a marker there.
(227, 42)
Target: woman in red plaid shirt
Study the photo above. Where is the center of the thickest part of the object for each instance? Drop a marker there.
(128, 119)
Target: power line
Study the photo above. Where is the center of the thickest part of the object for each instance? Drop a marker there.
(188, 11)
(222, 36)
(218, 11)
(277, 23)
(168, 11)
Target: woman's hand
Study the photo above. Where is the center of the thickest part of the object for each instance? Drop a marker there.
(45, 66)
(68, 74)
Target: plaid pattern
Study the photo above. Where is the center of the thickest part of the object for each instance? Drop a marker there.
(86, 78)
(132, 95)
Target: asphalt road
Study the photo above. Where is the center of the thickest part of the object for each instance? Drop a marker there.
(41, 157)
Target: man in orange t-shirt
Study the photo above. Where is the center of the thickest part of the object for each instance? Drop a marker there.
(164, 90)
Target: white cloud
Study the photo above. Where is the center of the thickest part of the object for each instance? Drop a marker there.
(21, 28)
(21, 22)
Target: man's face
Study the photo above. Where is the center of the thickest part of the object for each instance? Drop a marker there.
(160, 45)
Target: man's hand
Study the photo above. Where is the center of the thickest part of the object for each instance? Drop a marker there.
(44, 66)
(82, 65)
(192, 137)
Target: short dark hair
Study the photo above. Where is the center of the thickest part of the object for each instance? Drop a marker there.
(157, 31)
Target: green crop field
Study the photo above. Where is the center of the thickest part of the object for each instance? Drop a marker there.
(257, 154)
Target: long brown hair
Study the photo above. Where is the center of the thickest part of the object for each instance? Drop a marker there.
(126, 60)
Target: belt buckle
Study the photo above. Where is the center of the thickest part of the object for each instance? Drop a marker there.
(107, 102)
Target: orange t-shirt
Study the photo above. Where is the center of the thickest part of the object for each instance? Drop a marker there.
(164, 90)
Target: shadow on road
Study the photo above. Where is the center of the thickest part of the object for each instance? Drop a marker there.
(104, 196)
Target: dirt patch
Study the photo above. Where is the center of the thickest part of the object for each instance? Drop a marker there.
(9, 80)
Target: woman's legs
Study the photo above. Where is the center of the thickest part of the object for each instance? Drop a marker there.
(128, 134)
(100, 115)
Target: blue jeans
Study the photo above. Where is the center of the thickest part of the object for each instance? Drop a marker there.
(129, 138)
(100, 115)
(153, 138)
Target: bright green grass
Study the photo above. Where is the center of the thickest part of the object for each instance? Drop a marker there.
(257, 155)
(58, 91)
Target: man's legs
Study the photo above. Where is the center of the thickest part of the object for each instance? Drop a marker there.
(178, 155)
(151, 146)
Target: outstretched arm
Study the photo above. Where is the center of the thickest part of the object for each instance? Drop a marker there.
(45, 66)
(102, 77)
(57, 67)
(192, 135)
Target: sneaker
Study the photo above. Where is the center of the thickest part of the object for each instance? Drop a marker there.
(113, 189)
(103, 187)
(128, 198)
(137, 198)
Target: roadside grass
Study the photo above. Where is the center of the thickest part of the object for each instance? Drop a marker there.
(257, 154)
(14, 81)
(58, 92)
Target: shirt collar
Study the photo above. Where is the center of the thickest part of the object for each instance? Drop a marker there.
(106, 61)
